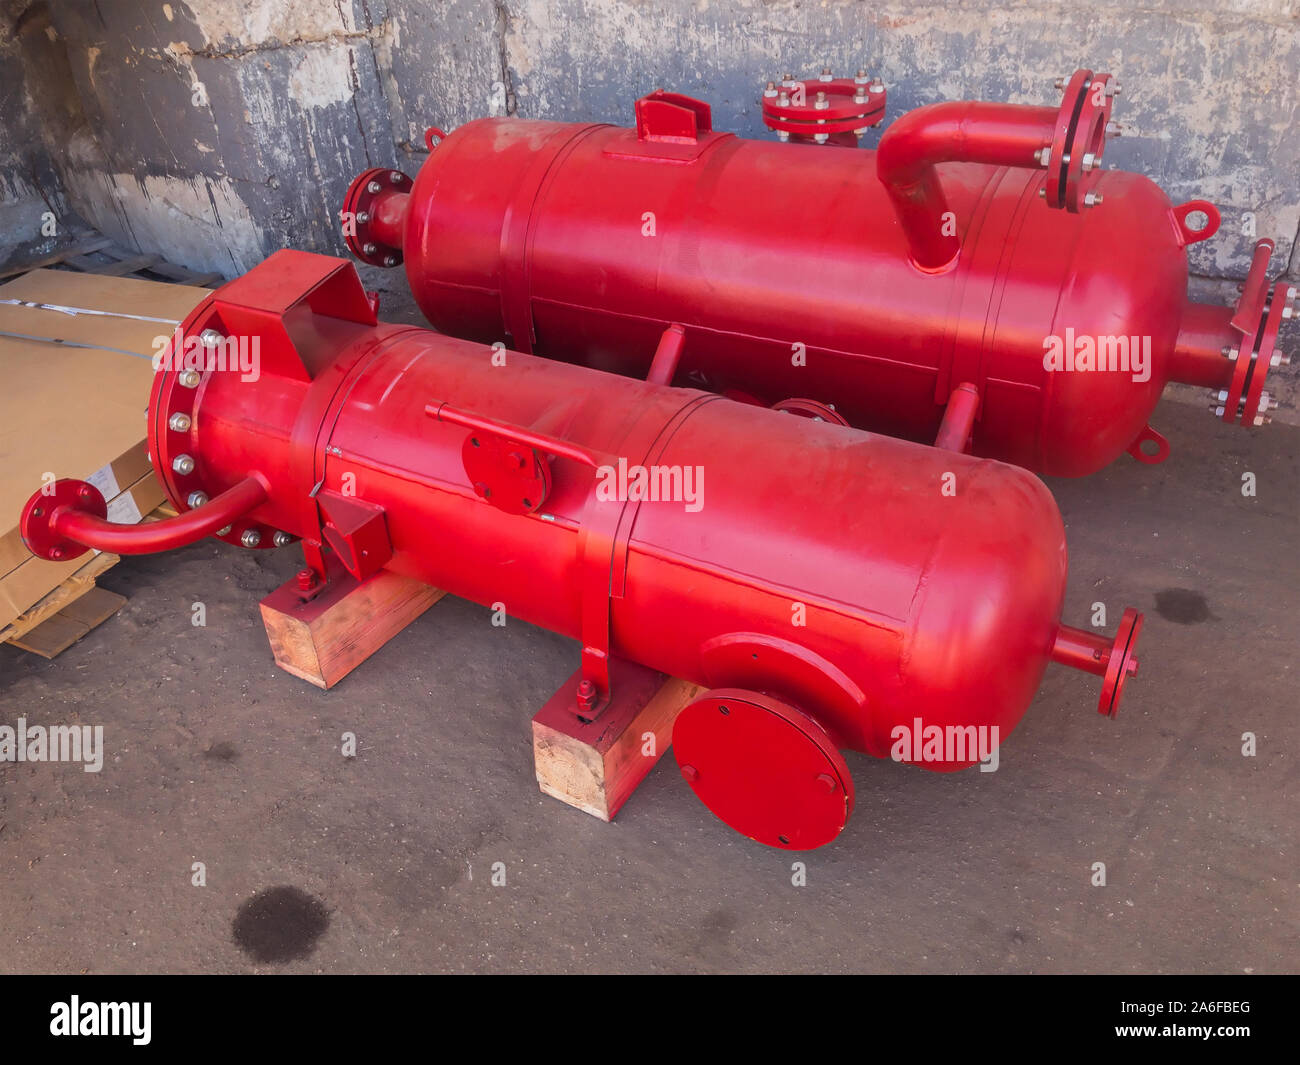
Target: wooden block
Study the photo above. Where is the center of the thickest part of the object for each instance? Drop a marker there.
(57, 633)
(51, 636)
(131, 265)
(596, 766)
(326, 638)
(85, 247)
(181, 275)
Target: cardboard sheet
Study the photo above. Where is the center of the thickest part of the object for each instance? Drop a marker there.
(74, 411)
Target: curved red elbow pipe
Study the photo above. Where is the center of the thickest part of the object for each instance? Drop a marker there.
(66, 522)
(965, 132)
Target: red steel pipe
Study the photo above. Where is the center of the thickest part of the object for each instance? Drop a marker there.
(388, 216)
(1247, 311)
(1081, 649)
(1204, 341)
(663, 367)
(958, 418)
(969, 132)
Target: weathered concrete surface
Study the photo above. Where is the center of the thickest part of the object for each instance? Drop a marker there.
(217, 131)
(221, 131)
(33, 202)
(215, 756)
(1210, 101)
(244, 121)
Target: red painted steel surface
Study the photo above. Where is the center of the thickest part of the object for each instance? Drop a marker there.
(824, 567)
(950, 255)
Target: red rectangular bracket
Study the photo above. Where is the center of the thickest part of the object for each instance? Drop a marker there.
(356, 531)
(279, 303)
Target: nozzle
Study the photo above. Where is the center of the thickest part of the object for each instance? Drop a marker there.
(69, 519)
(1115, 660)
(374, 216)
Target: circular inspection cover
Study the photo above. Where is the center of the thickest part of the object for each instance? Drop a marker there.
(766, 769)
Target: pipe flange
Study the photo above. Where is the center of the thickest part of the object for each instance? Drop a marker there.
(765, 768)
(1122, 662)
(824, 110)
(175, 447)
(358, 207)
(34, 525)
(1261, 360)
(1074, 163)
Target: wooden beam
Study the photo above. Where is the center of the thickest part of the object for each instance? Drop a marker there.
(114, 269)
(595, 766)
(60, 631)
(85, 247)
(324, 639)
(182, 275)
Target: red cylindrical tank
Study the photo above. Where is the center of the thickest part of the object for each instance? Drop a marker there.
(978, 241)
(859, 583)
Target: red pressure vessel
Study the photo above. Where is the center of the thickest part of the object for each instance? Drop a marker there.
(829, 585)
(979, 239)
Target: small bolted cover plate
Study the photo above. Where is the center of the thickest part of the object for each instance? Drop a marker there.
(509, 475)
(766, 769)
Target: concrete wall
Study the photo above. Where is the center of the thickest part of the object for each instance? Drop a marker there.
(216, 131)
(32, 197)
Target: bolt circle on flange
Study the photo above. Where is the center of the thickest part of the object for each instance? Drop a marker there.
(174, 447)
(1253, 396)
(358, 205)
(34, 525)
(508, 474)
(834, 109)
(768, 770)
(1079, 143)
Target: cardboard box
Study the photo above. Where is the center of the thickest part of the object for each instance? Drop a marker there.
(74, 402)
(24, 585)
